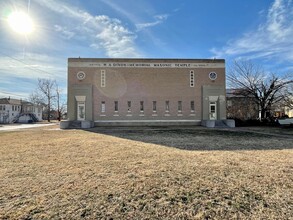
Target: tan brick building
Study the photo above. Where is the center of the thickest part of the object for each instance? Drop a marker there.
(146, 91)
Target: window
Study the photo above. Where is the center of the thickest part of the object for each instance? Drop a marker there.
(0, 107)
(116, 106)
(129, 106)
(154, 106)
(141, 106)
(103, 78)
(192, 106)
(191, 78)
(167, 106)
(229, 103)
(179, 106)
(80, 75)
(213, 75)
(103, 109)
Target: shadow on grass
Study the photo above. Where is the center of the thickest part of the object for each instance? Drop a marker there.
(199, 138)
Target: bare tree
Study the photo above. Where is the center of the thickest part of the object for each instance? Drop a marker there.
(288, 97)
(45, 93)
(61, 107)
(250, 80)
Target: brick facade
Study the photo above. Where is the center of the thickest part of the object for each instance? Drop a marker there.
(145, 89)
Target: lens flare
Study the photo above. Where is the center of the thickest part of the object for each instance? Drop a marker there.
(21, 22)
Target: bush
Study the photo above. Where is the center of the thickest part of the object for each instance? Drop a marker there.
(255, 122)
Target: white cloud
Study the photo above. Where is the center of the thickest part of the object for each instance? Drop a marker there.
(65, 33)
(108, 33)
(31, 66)
(272, 39)
(19, 73)
(158, 20)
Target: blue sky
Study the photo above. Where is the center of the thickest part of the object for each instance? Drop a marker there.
(260, 30)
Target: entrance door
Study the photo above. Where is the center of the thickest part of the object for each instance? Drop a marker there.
(80, 111)
(213, 111)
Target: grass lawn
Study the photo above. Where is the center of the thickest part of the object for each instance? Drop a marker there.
(145, 173)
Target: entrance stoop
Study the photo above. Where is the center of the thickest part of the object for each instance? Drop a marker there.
(228, 123)
(76, 124)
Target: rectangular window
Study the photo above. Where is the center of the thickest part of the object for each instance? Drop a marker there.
(103, 78)
(154, 106)
(141, 106)
(0, 107)
(116, 106)
(192, 106)
(129, 106)
(103, 106)
(167, 107)
(191, 75)
(229, 103)
(179, 106)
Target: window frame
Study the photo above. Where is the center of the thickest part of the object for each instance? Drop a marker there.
(116, 108)
(103, 78)
(179, 106)
(141, 106)
(191, 78)
(167, 106)
(192, 106)
(103, 106)
(154, 106)
(129, 106)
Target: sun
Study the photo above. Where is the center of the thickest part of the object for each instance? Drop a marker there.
(21, 22)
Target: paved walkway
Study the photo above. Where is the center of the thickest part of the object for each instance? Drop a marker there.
(8, 127)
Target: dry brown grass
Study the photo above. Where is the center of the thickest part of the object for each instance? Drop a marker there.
(141, 174)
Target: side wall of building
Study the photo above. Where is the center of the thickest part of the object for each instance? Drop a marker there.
(129, 93)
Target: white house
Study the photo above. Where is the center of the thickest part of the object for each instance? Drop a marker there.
(14, 110)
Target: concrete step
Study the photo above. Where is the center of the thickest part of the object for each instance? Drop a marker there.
(220, 124)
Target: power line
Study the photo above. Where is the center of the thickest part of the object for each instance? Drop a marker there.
(34, 69)
(13, 94)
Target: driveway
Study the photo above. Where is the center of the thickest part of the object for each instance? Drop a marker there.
(7, 127)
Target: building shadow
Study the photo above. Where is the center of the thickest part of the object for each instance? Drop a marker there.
(199, 138)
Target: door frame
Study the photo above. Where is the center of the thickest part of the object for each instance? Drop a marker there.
(213, 113)
(80, 104)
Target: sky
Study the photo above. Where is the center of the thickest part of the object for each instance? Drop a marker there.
(260, 31)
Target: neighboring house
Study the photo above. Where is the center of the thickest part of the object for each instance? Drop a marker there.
(289, 107)
(279, 111)
(146, 91)
(53, 115)
(14, 110)
(241, 107)
(289, 112)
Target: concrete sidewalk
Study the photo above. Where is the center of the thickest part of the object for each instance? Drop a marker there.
(7, 127)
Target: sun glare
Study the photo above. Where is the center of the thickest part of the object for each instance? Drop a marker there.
(20, 22)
